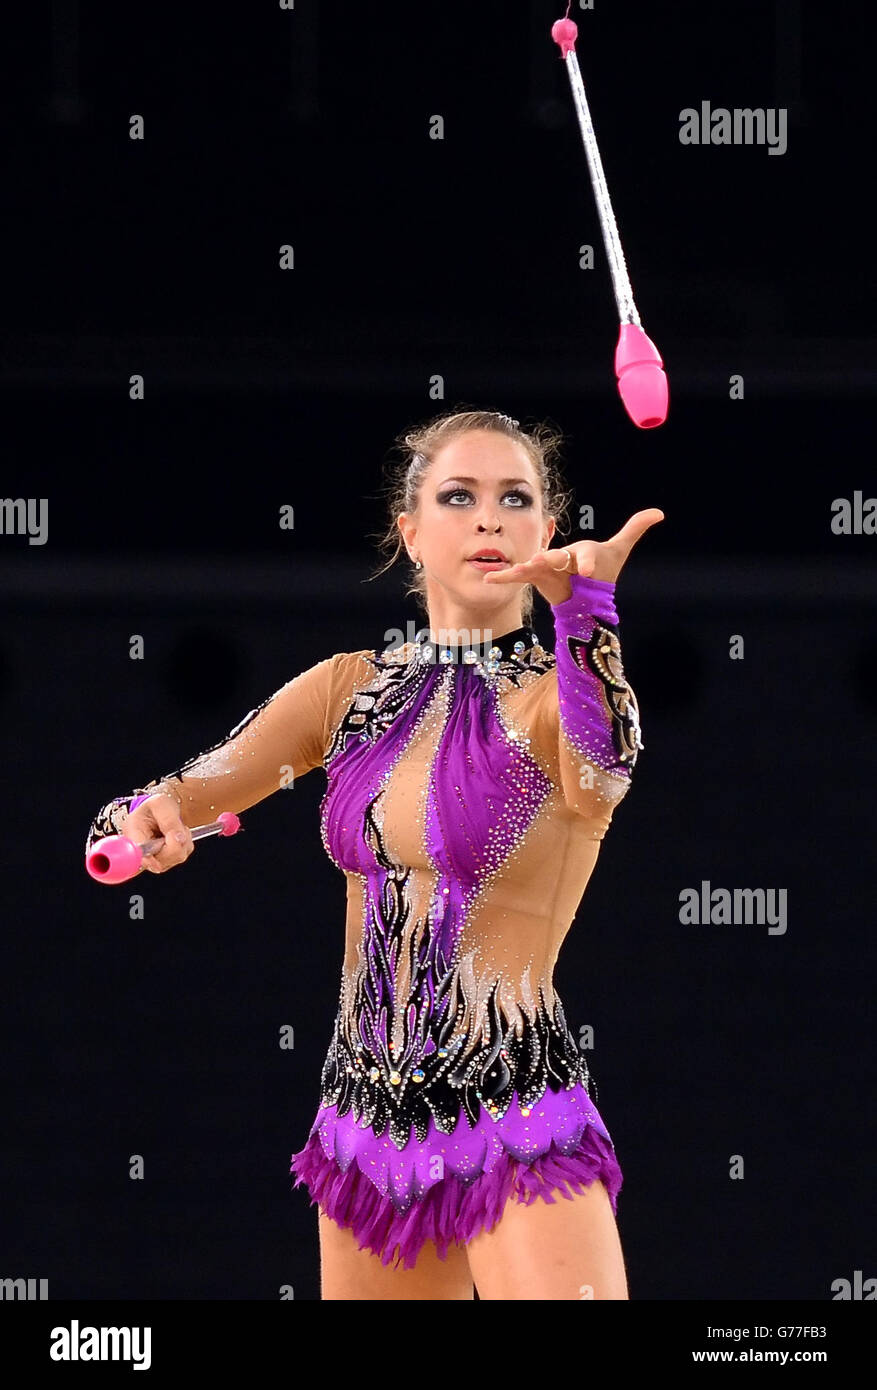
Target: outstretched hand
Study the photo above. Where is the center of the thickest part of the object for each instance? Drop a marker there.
(549, 571)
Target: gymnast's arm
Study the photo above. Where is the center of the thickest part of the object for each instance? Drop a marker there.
(277, 742)
(596, 719)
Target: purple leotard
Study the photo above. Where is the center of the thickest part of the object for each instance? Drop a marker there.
(466, 802)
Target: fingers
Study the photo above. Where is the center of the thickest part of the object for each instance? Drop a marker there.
(176, 849)
(636, 526)
(160, 817)
(560, 560)
(600, 560)
(616, 552)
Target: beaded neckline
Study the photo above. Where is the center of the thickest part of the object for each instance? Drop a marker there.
(519, 648)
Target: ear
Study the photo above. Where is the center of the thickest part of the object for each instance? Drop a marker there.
(407, 529)
(548, 531)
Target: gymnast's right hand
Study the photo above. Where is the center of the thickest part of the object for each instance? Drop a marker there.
(159, 815)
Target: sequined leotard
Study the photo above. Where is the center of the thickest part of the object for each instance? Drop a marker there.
(465, 805)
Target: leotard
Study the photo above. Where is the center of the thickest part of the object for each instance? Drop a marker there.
(468, 790)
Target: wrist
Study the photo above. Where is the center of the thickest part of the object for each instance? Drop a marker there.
(589, 597)
(161, 789)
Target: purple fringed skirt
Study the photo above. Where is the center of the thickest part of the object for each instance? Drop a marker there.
(452, 1186)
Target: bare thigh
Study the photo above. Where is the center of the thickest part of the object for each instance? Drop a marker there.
(347, 1272)
(565, 1249)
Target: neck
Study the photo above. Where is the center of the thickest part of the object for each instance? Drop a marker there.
(459, 625)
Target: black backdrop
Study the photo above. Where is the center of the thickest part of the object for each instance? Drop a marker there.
(415, 258)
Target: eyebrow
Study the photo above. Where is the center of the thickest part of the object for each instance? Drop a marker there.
(504, 482)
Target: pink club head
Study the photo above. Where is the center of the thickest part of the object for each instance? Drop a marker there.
(114, 859)
(564, 32)
(642, 382)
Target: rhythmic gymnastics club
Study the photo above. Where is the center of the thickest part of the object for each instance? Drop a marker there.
(642, 382)
(116, 858)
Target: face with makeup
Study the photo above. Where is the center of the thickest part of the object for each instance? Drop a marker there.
(481, 492)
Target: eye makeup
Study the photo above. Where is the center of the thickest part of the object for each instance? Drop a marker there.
(525, 497)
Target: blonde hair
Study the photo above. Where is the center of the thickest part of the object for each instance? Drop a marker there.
(418, 448)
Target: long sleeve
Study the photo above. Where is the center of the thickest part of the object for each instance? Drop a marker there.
(280, 740)
(598, 727)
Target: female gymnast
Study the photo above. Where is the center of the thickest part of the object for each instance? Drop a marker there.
(472, 775)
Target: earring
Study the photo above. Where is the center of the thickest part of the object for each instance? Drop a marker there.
(418, 565)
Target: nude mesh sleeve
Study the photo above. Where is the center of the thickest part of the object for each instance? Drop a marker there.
(280, 740)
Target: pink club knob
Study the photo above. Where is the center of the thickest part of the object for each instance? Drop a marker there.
(642, 381)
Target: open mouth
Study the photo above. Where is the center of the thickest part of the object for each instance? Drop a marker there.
(488, 564)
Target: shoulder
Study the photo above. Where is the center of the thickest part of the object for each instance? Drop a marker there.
(373, 660)
(353, 662)
(331, 676)
(348, 670)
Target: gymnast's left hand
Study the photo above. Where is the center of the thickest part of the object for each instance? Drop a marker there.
(549, 571)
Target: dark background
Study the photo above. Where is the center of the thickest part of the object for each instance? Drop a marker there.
(416, 257)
